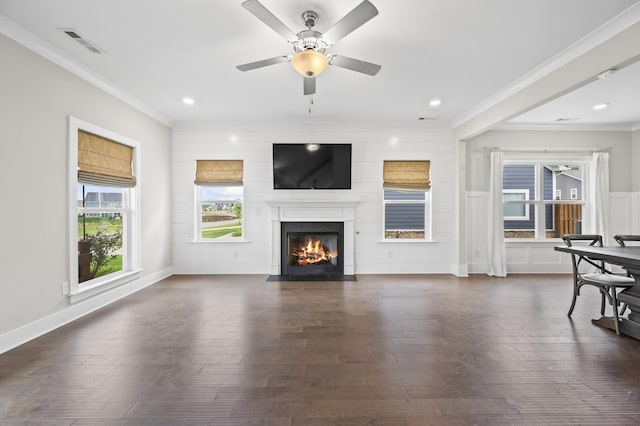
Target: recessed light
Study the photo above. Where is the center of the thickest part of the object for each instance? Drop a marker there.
(312, 147)
(435, 102)
(188, 101)
(607, 73)
(564, 119)
(603, 105)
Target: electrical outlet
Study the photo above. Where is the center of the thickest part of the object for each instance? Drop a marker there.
(65, 288)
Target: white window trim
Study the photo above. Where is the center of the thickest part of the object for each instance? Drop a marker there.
(428, 203)
(524, 201)
(197, 229)
(89, 288)
(557, 194)
(539, 160)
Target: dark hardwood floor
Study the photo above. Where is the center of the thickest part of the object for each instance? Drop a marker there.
(385, 350)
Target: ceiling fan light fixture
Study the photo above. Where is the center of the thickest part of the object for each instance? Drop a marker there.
(309, 62)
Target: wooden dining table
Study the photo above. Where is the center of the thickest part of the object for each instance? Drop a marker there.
(629, 259)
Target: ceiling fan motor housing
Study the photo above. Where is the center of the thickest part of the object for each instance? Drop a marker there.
(309, 39)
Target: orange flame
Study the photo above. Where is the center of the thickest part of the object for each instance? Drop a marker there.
(312, 253)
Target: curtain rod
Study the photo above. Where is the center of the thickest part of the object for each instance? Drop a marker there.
(536, 150)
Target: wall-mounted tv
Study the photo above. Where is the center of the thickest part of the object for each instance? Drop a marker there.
(311, 166)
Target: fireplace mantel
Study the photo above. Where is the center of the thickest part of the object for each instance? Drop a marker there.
(313, 211)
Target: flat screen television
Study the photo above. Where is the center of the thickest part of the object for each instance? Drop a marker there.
(311, 166)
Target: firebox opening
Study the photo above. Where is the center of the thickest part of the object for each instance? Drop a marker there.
(312, 248)
(305, 249)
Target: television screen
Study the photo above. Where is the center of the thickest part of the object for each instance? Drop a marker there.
(311, 166)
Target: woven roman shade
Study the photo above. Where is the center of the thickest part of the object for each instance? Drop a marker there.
(406, 175)
(219, 172)
(104, 162)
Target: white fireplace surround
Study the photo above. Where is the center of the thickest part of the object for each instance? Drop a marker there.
(313, 211)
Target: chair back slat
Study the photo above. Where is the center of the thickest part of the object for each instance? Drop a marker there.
(621, 239)
(593, 239)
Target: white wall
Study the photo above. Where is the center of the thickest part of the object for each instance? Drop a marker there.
(620, 156)
(635, 159)
(36, 97)
(538, 257)
(370, 148)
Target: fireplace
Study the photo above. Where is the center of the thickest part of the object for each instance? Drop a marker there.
(312, 248)
(327, 213)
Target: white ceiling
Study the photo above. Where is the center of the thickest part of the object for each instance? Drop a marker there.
(461, 51)
(621, 91)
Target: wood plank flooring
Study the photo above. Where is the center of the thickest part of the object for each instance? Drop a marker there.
(385, 350)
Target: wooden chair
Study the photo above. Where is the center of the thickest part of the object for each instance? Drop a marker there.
(604, 280)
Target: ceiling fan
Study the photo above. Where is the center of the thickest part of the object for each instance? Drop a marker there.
(309, 45)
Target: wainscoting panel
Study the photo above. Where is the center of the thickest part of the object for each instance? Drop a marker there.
(534, 256)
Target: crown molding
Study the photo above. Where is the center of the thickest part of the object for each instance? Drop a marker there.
(598, 36)
(311, 126)
(34, 43)
(551, 127)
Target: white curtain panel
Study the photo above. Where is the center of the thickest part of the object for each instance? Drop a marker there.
(598, 207)
(495, 236)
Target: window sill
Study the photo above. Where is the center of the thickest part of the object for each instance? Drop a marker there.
(219, 241)
(103, 284)
(554, 241)
(405, 240)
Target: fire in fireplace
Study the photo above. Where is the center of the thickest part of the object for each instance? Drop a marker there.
(315, 252)
(310, 248)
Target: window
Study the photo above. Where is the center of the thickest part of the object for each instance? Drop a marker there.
(574, 193)
(533, 204)
(406, 200)
(102, 214)
(517, 210)
(102, 186)
(219, 197)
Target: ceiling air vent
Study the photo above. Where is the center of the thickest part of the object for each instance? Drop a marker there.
(84, 42)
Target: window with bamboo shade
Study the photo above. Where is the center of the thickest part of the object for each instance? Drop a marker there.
(406, 200)
(219, 197)
(103, 201)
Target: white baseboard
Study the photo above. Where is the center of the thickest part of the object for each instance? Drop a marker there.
(21, 335)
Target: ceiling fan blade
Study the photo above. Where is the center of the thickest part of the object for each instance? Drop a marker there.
(262, 13)
(263, 63)
(349, 22)
(355, 64)
(309, 85)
